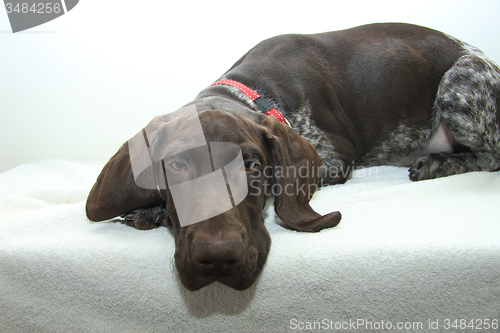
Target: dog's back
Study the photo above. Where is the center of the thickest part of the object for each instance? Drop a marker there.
(373, 95)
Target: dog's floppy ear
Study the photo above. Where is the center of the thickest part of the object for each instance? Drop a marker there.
(127, 181)
(115, 191)
(133, 177)
(296, 171)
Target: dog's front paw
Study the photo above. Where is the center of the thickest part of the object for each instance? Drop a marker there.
(148, 218)
(435, 166)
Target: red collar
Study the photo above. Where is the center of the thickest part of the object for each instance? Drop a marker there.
(263, 105)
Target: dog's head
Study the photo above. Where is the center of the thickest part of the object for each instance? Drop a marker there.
(215, 186)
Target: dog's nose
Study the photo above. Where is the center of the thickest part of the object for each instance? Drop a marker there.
(217, 258)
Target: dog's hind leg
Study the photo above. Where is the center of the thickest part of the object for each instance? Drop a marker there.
(467, 105)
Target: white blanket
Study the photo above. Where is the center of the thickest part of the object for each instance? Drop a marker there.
(411, 255)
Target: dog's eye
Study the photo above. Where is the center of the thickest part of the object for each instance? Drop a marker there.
(178, 166)
(251, 165)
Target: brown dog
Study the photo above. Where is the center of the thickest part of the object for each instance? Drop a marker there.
(378, 94)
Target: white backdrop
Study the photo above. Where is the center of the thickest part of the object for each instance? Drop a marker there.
(77, 87)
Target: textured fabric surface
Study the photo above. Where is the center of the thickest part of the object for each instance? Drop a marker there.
(404, 253)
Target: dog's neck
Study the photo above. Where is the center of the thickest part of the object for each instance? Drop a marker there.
(251, 98)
